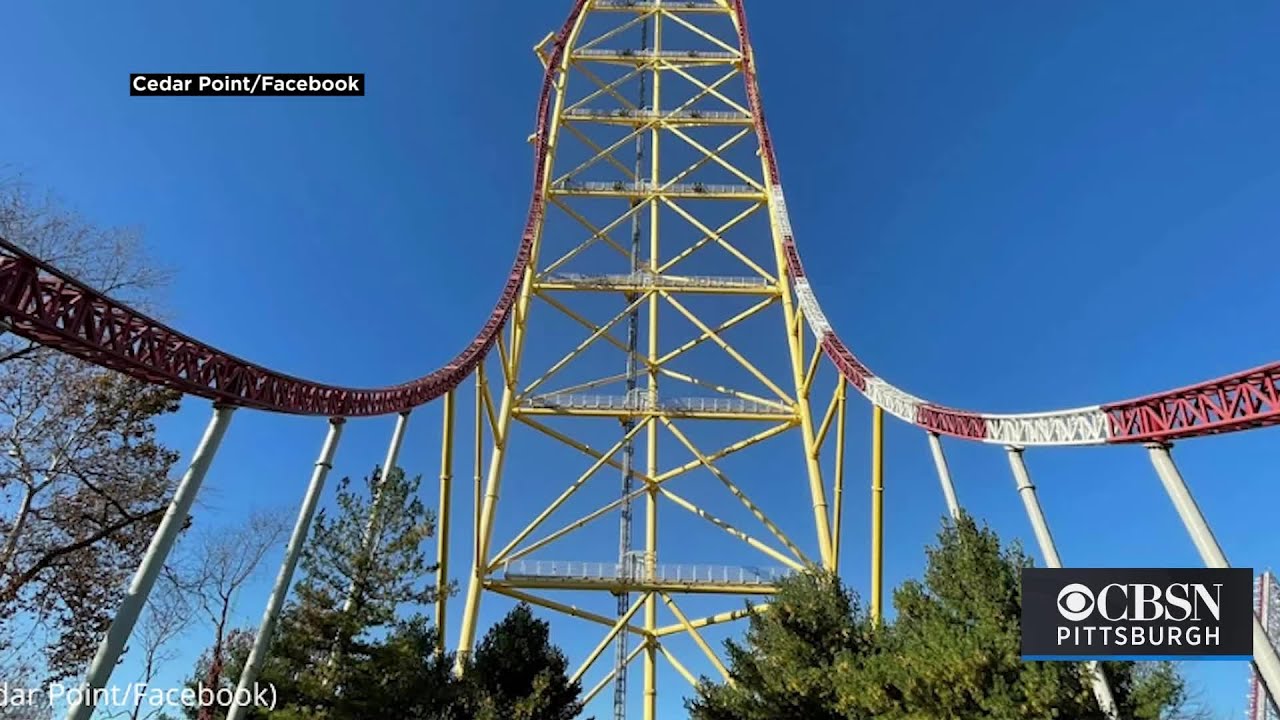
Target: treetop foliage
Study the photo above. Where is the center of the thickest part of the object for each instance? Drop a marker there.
(354, 642)
(951, 653)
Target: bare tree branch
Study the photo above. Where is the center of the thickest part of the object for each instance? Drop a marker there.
(168, 614)
(71, 536)
(227, 560)
(48, 559)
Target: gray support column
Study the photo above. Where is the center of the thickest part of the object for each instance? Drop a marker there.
(1027, 491)
(113, 644)
(1265, 657)
(944, 475)
(397, 439)
(1049, 550)
(371, 529)
(266, 630)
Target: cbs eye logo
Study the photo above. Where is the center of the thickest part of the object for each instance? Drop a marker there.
(1075, 602)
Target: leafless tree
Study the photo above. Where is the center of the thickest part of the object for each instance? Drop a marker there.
(21, 677)
(167, 615)
(112, 260)
(226, 559)
(83, 481)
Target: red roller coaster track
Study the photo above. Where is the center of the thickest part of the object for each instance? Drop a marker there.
(42, 303)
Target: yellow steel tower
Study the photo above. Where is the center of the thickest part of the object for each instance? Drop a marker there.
(720, 365)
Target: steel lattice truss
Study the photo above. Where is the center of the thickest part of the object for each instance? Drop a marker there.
(656, 211)
(1266, 599)
(46, 305)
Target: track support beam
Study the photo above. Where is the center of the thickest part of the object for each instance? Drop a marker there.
(1265, 657)
(113, 644)
(877, 513)
(445, 512)
(944, 475)
(1098, 679)
(371, 528)
(267, 628)
(837, 513)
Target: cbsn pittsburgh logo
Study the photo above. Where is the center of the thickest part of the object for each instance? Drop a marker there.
(1138, 613)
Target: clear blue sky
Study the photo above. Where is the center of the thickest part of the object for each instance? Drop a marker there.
(1005, 205)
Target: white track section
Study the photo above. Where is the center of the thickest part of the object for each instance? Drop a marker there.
(902, 405)
(1081, 426)
(778, 206)
(812, 311)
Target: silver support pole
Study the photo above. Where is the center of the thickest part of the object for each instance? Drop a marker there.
(1264, 701)
(1097, 678)
(944, 475)
(1027, 492)
(113, 644)
(397, 439)
(266, 630)
(370, 530)
(1265, 658)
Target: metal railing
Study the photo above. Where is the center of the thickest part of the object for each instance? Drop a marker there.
(642, 572)
(674, 4)
(648, 114)
(661, 54)
(640, 402)
(651, 280)
(647, 186)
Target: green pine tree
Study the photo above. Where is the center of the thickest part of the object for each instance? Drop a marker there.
(784, 670)
(516, 673)
(331, 661)
(952, 652)
(404, 677)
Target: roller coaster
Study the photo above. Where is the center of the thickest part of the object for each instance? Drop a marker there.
(693, 74)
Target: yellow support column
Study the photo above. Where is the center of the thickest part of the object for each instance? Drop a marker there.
(510, 372)
(697, 130)
(478, 476)
(795, 343)
(651, 468)
(877, 513)
(837, 520)
(444, 509)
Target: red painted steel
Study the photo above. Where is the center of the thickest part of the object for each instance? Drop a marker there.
(1241, 401)
(948, 421)
(44, 304)
(958, 423)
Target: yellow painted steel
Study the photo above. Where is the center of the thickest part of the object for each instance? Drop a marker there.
(679, 666)
(612, 586)
(511, 368)
(604, 682)
(608, 638)
(478, 459)
(559, 607)
(650, 698)
(877, 513)
(672, 205)
(794, 335)
(733, 531)
(723, 617)
(444, 512)
(697, 636)
(564, 496)
(737, 492)
(837, 517)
